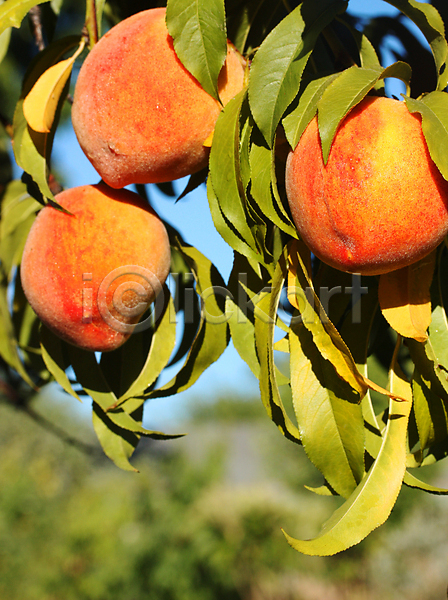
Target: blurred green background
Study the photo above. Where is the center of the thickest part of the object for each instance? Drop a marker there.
(200, 521)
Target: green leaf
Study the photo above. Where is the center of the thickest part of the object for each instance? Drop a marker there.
(265, 320)
(198, 29)
(55, 356)
(117, 444)
(297, 120)
(212, 336)
(433, 108)
(12, 12)
(346, 91)
(430, 412)
(280, 61)
(262, 166)
(162, 345)
(17, 215)
(8, 342)
(371, 502)
(430, 23)
(32, 150)
(413, 482)
(225, 186)
(329, 417)
(325, 335)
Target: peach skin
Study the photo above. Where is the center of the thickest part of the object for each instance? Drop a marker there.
(138, 114)
(90, 273)
(380, 203)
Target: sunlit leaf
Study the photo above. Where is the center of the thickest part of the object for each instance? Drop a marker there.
(346, 91)
(411, 481)
(40, 105)
(198, 29)
(433, 108)
(328, 413)
(405, 298)
(370, 504)
(225, 186)
(12, 12)
(297, 120)
(279, 63)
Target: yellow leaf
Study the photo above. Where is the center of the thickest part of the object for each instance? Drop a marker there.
(39, 106)
(405, 298)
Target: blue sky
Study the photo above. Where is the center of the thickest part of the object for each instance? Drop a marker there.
(192, 217)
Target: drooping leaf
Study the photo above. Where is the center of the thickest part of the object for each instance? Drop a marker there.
(279, 63)
(56, 359)
(262, 164)
(12, 12)
(346, 91)
(405, 299)
(371, 502)
(40, 105)
(430, 23)
(162, 345)
(225, 187)
(297, 120)
(430, 409)
(32, 150)
(412, 481)
(198, 30)
(212, 336)
(433, 108)
(265, 321)
(117, 444)
(328, 413)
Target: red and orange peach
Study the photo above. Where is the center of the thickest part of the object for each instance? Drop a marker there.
(91, 272)
(380, 202)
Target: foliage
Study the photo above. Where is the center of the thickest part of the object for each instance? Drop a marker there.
(306, 58)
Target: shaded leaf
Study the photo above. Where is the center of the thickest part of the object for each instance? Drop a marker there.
(265, 321)
(56, 359)
(212, 336)
(405, 299)
(428, 20)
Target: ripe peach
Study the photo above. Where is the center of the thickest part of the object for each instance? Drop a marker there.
(139, 116)
(89, 275)
(380, 202)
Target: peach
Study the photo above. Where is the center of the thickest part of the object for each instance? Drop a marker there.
(91, 272)
(139, 115)
(380, 202)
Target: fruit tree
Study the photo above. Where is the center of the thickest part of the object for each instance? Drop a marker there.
(331, 191)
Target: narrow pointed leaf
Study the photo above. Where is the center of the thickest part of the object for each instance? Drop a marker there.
(433, 108)
(56, 359)
(371, 503)
(345, 92)
(212, 336)
(40, 105)
(297, 120)
(198, 29)
(411, 481)
(328, 414)
(279, 63)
